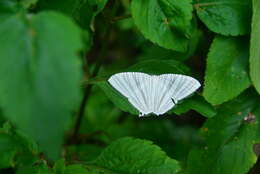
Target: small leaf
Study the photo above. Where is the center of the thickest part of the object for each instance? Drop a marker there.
(15, 148)
(254, 49)
(227, 69)
(196, 103)
(230, 17)
(128, 155)
(164, 22)
(42, 85)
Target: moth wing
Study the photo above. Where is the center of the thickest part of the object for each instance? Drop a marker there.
(178, 87)
(163, 95)
(182, 85)
(133, 85)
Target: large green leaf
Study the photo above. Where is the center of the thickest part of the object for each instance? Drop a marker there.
(166, 23)
(254, 50)
(227, 69)
(235, 157)
(230, 17)
(135, 156)
(229, 140)
(150, 67)
(40, 75)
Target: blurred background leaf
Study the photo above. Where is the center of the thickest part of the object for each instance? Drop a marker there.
(40, 89)
(41, 73)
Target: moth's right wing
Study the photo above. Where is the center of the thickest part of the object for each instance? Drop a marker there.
(181, 86)
(177, 88)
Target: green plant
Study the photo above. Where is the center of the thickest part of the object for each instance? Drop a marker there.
(59, 115)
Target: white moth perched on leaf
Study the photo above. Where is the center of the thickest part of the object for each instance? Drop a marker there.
(155, 94)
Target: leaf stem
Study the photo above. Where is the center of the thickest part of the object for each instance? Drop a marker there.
(118, 18)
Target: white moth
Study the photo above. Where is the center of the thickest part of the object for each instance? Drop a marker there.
(155, 94)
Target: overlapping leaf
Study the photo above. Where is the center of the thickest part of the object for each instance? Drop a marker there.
(227, 69)
(229, 140)
(254, 50)
(230, 17)
(166, 23)
(198, 104)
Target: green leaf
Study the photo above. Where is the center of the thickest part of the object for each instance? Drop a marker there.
(85, 152)
(59, 167)
(128, 155)
(40, 169)
(229, 140)
(40, 74)
(8, 150)
(15, 149)
(118, 99)
(256, 113)
(196, 103)
(236, 157)
(150, 67)
(94, 119)
(227, 69)
(28, 3)
(254, 50)
(76, 169)
(230, 17)
(164, 22)
(8, 7)
(160, 67)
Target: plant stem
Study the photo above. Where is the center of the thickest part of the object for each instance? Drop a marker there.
(84, 102)
(118, 18)
(87, 92)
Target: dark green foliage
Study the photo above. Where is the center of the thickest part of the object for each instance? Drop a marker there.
(59, 115)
